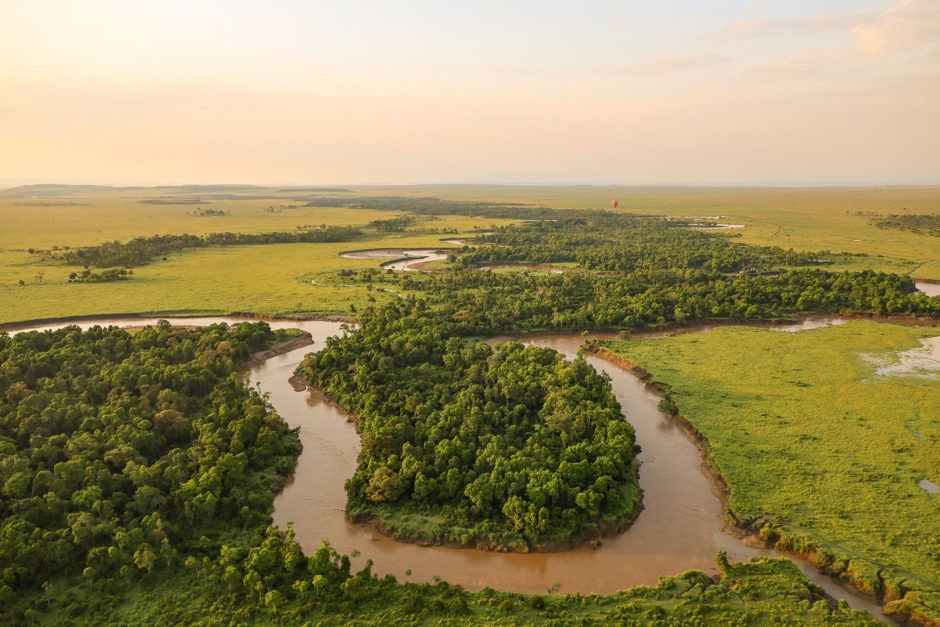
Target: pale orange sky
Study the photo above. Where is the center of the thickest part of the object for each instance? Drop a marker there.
(501, 92)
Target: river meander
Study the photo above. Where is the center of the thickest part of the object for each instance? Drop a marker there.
(680, 527)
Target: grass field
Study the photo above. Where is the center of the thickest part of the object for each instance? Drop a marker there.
(272, 280)
(808, 434)
(275, 279)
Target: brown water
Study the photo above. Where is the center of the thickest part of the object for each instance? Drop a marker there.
(679, 529)
(414, 257)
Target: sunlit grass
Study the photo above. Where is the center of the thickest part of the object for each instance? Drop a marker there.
(807, 434)
(271, 279)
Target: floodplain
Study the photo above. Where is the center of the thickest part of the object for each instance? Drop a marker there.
(861, 431)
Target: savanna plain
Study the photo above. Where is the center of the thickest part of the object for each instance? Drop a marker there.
(140, 469)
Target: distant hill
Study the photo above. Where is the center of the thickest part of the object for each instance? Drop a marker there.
(53, 190)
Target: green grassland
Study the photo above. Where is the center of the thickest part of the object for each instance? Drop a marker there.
(811, 439)
(275, 279)
(272, 280)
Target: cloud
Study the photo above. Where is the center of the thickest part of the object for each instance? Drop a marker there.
(902, 25)
(754, 27)
(906, 25)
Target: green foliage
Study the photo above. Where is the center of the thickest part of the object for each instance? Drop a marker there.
(123, 451)
(926, 223)
(643, 272)
(393, 225)
(601, 241)
(113, 274)
(141, 250)
(265, 584)
(122, 461)
(495, 302)
(512, 444)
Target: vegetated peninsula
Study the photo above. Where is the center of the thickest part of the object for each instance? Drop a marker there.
(503, 448)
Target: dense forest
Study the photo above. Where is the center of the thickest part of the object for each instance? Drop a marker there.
(142, 250)
(128, 453)
(510, 446)
(121, 450)
(429, 402)
(926, 223)
(427, 205)
(393, 225)
(635, 272)
(607, 242)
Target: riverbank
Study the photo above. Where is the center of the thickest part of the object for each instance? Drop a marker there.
(142, 318)
(256, 359)
(900, 592)
(427, 535)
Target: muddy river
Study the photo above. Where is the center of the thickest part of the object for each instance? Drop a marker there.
(679, 529)
(413, 258)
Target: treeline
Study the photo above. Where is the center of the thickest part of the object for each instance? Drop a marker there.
(608, 242)
(112, 274)
(141, 250)
(496, 302)
(511, 445)
(173, 201)
(393, 224)
(928, 223)
(438, 207)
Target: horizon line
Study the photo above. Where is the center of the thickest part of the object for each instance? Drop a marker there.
(16, 183)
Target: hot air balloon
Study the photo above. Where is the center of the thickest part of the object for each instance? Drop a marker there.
(614, 203)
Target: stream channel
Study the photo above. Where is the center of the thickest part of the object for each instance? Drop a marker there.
(680, 527)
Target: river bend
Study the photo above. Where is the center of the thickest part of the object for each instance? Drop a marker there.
(680, 527)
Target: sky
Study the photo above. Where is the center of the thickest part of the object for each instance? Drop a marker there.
(514, 92)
